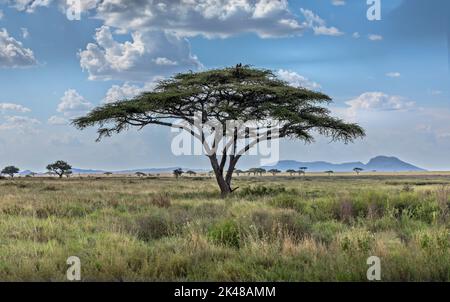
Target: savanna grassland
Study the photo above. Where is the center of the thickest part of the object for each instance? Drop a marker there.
(280, 228)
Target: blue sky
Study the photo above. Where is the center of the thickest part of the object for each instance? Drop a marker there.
(391, 76)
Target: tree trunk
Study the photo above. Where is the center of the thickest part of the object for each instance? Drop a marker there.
(225, 188)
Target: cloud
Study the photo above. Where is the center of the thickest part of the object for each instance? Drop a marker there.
(149, 54)
(12, 52)
(356, 35)
(318, 25)
(373, 37)
(338, 2)
(126, 91)
(378, 101)
(57, 120)
(13, 107)
(20, 123)
(393, 74)
(221, 18)
(73, 104)
(296, 80)
(29, 6)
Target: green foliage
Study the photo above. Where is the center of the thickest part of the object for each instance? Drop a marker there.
(60, 168)
(262, 191)
(10, 170)
(226, 232)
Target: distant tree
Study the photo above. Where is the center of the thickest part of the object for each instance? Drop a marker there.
(10, 170)
(238, 172)
(60, 168)
(177, 173)
(358, 170)
(329, 172)
(253, 171)
(303, 169)
(191, 173)
(32, 174)
(219, 96)
(140, 174)
(291, 171)
(274, 171)
(301, 172)
(260, 171)
(107, 173)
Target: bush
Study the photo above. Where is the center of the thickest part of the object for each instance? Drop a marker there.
(272, 226)
(226, 232)
(262, 191)
(161, 201)
(326, 232)
(357, 240)
(154, 226)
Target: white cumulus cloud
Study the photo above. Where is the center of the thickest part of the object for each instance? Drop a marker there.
(296, 80)
(13, 53)
(13, 107)
(72, 104)
(149, 54)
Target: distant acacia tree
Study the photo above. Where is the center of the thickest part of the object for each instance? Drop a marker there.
(238, 172)
(177, 173)
(60, 168)
(257, 171)
(291, 171)
(274, 171)
(220, 96)
(191, 173)
(253, 171)
(303, 169)
(107, 173)
(10, 170)
(358, 170)
(329, 172)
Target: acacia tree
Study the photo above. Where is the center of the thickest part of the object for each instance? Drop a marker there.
(329, 172)
(358, 170)
(10, 170)
(238, 172)
(177, 173)
(291, 171)
(218, 96)
(191, 173)
(60, 168)
(274, 171)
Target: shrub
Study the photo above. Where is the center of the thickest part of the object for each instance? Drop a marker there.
(226, 232)
(154, 226)
(325, 232)
(262, 191)
(161, 201)
(443, 201)
(272, 226)
(357, 240)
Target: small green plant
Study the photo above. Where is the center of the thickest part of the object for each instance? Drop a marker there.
(226, 232)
